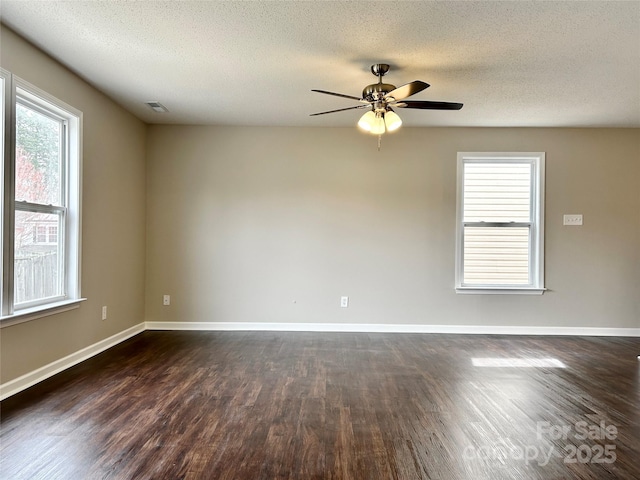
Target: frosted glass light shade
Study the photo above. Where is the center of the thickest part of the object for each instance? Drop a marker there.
(392, 120)
(378, 127)
(367, 120)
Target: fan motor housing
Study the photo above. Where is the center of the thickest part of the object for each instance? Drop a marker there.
(376, 91)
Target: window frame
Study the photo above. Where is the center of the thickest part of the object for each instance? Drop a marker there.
(535, 223)
(69, 210)
(7, 177)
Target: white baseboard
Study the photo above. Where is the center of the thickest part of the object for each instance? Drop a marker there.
(393, 328)
(25, 381)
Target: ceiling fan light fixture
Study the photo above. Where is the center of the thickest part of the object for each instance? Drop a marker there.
(367, 120)
(392, 120)
(378, 127)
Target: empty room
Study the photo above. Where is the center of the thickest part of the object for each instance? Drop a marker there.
(320, 240)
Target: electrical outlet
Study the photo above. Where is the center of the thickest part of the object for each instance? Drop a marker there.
(574, 219)
(166, 300)
(104, 312)
(344, 302)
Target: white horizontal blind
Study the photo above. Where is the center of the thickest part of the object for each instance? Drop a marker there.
(497, 223)
(497, 192)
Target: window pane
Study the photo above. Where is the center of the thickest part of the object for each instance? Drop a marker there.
(37, 272)
(41, 234)
(38, 157)
(496, 255)
(53, 234)
(497, 192)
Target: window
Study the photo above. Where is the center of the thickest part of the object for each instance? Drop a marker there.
(40, 200)
(500, 234)
(43, 234)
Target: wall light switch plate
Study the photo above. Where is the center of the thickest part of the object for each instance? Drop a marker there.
(574, 219)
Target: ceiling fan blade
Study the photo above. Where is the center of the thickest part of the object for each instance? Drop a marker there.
(426, 105)
(407, 90)
(337, 94)
(340, 110)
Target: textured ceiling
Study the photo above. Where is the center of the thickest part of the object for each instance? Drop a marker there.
(514, 63)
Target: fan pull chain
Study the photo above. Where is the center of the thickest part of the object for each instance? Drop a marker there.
(379, 141)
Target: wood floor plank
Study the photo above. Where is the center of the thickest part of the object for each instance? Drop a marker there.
(265, 405)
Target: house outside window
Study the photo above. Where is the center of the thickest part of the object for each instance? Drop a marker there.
(44, 234)
(500, 223)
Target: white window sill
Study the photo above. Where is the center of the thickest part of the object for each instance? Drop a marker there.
(499, 291)
(40, 311)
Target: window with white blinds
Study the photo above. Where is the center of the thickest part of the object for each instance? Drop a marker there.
(500, 229)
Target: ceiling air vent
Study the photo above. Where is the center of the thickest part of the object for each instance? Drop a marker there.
(157, 107)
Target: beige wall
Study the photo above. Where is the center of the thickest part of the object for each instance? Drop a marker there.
(113, 220)
(244, 221)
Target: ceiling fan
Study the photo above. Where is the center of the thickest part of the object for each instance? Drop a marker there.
(380, 97)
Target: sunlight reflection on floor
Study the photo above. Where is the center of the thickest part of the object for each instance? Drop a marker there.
(518, 362)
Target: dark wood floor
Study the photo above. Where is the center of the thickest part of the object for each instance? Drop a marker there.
(257, 405)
